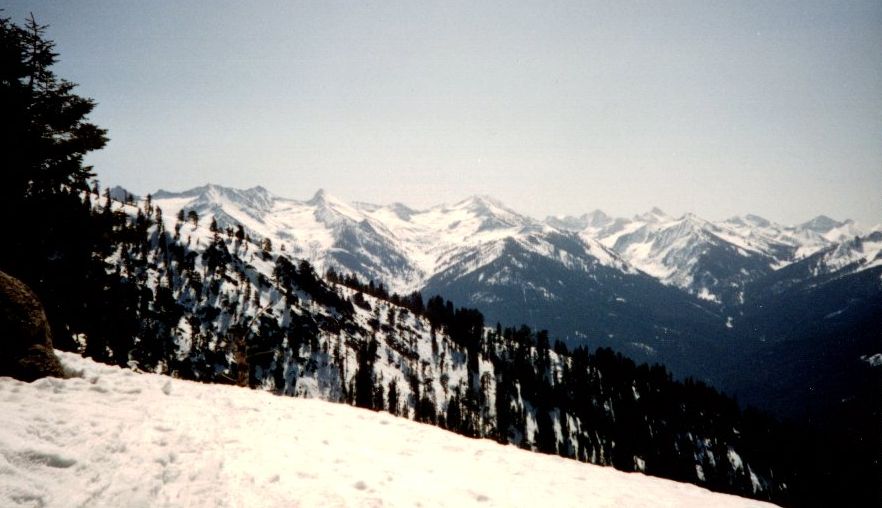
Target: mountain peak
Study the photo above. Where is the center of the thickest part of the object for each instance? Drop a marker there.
(596, 214)
(324, 198)
(320, 195)
(403, 211)
(656, 214)
(593, 219)
(821, 224)
(484, 205)
(331, 210)
(756, 220)
(694, 222)
(259, 190)
(483, 201)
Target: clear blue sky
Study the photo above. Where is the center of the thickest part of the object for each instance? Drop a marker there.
(719, 108)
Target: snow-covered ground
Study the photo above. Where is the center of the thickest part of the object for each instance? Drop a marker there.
(113, 437)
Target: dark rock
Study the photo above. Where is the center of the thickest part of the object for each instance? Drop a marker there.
(25, 339)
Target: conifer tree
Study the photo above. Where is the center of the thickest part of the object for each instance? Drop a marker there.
(46, 134)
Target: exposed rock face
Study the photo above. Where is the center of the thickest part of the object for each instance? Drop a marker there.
(25, 340)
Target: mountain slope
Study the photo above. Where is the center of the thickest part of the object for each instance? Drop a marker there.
(583, 301)
(470, 251)
(208, 305)
(672, 290)
(692, 254)
(811, 323)
(110, 437)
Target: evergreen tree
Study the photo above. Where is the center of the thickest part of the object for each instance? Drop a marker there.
(46, 134)
(364, 377)
(393, 397)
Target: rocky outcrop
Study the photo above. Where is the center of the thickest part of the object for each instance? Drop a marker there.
(25, 339)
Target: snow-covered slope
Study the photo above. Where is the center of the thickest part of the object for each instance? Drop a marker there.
(213, 306)
(112, 437)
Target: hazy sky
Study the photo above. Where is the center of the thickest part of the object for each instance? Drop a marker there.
(719, 108)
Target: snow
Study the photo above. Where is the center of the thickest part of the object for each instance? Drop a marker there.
(874, 360)
(735, 459)
(114, 437)
(853, 255)
(705, 294)
(664, 248)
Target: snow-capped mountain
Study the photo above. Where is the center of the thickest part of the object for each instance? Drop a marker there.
(831, 229)
(483, 254)
(691, 253)
(395, 245)
(803, 301)
(405, 248)
(661, 288)
(323, 229)
(711, 260)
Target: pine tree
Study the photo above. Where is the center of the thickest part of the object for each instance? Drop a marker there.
(45, 130)
(364, 376)
(393, 397)
(46, 134)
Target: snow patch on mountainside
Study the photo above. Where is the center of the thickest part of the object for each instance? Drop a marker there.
(874, 360)
(113, 437)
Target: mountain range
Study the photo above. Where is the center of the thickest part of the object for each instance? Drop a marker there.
(218, 285)
(406, 248)
(705, 298)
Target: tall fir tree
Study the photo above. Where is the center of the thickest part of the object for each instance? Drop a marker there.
(46, 135)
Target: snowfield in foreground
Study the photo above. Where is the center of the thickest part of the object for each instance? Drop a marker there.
(114, 437)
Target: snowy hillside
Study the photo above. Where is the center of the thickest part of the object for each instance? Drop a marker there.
(195, 301)
(111, 437)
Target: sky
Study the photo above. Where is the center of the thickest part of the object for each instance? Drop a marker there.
(715, 108)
